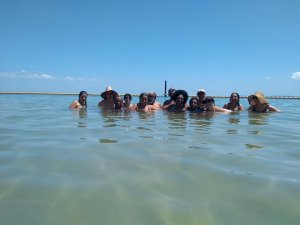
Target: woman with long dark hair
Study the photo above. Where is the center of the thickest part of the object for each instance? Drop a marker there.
(81, 102)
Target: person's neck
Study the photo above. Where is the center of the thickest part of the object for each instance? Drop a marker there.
(81, 102)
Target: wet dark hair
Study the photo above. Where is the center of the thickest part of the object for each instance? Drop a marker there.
(130, 97)
(235, 93)
(208, 100)
(143, 94)
(193, 98)
(82, 93)
(238, 103)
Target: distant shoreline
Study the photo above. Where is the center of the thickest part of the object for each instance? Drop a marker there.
(59, 93)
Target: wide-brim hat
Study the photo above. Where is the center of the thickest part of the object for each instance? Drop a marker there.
(108, 88)
(260, 96)
(180, 92)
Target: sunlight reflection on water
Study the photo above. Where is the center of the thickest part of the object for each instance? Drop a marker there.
(61, 166)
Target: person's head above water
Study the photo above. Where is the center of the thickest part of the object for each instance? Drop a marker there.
(109, 93)
(151, 97)
(118, 102)
(143, 98)
(171, 91)
(183, 93)
(257, 98)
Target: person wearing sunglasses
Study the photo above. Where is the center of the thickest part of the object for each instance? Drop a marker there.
(209, 106)
(127, 101)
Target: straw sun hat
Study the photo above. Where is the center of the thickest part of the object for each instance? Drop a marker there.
(108, 88)
(260, 96)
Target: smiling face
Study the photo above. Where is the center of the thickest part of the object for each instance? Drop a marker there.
(127, 98)
(234, 97)
(151, 98)
(201, 95)
(118, 102)
(143, 99)
(193, 103)
(253, 100)
(109, 95)
(83, 96)
(179, 100)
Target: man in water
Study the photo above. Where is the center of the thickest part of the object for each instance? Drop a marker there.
(152, 100)
(169, 101)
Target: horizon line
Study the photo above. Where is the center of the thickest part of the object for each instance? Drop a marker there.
(136, 95)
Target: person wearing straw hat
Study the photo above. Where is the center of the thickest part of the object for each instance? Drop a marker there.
(258, 103)
(109, 96)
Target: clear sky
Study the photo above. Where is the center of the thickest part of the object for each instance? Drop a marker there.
(134, 46)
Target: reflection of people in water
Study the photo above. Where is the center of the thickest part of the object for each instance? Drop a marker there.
(234, 103)
(258, 103)
(81, 102)
(258, 118)
(180, 98)
(108, 96)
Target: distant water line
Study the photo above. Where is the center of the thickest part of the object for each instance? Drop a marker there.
(162, 95)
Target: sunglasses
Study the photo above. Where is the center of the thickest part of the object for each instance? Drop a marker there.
(208, 101)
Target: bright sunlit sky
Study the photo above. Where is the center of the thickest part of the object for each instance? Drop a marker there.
(134, 46)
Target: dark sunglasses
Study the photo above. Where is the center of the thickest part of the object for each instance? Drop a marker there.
(208, 101)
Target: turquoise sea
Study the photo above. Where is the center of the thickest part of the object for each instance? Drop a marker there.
(73, 167)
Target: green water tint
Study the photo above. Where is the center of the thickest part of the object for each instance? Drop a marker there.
(107, 141)
(61, 166)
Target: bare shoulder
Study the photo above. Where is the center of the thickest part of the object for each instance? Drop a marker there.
(74, 105)
(273, 109)
(241, 107)
(133, 107)
(101, 103)
(219, 109)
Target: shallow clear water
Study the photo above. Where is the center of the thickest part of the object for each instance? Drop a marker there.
(62, 166)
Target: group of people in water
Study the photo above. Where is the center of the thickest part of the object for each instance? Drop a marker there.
(177, 102)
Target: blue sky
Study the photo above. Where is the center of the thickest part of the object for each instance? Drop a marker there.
(134, 46)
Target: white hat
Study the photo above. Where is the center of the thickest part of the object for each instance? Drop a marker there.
(108, 88)
(201, 90)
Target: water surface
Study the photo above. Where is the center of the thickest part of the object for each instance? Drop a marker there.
(71, 167)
